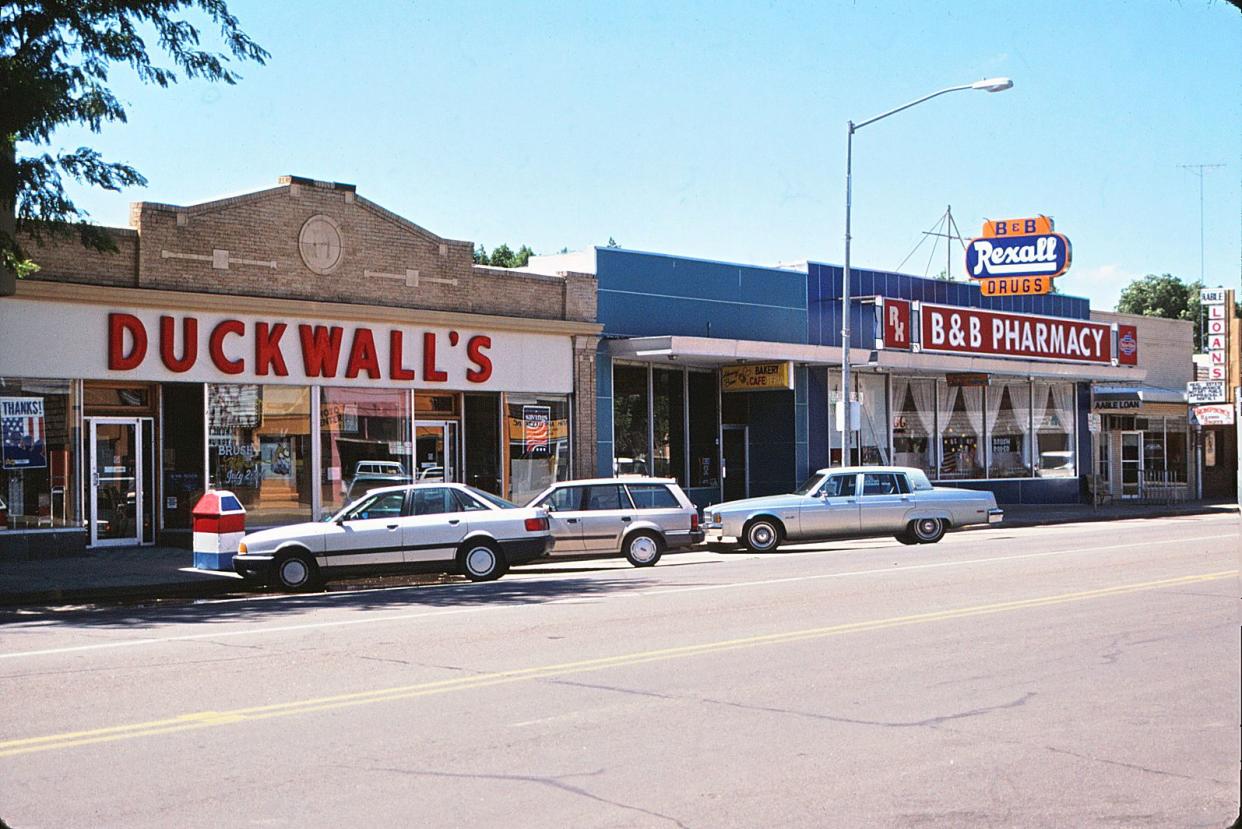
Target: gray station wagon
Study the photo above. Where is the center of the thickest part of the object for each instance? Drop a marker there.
(638, 517)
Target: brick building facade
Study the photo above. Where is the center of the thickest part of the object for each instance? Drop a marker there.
(292, 344)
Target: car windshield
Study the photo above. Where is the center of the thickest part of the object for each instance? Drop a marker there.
(810, 485)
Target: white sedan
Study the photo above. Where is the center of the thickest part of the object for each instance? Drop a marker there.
(416, 527)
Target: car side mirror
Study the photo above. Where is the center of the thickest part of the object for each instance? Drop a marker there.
(548, 507)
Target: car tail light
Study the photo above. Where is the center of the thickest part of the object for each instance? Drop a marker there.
(694, 521)
(534, 525)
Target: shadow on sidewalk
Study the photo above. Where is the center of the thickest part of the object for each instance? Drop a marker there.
(262, 608)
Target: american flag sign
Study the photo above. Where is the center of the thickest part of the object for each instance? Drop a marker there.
(535, 420)
(22, 433)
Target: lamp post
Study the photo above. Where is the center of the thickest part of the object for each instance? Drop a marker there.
(845, 415)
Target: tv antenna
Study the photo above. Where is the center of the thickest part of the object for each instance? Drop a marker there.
(945, 228)
(1198, 170)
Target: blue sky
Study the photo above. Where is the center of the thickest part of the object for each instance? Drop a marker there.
(717, 129)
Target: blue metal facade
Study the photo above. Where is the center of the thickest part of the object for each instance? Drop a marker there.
(653, 295)
(824, 301)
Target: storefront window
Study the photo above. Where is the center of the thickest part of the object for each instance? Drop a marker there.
(704, 423)
(258, 446)
(961, 431)
(364, 442)
(668, 423)
(872, 436)
(629, 419)
(482, 423)
(1009, 429)
(1053, 411)
(1175, 452)
(914, 423)
(538, 438)
(39, 439)
(1153, 448)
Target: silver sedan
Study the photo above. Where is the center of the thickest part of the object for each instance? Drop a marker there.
(855, 501)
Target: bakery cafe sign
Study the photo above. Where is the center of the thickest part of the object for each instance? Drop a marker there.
(1017, 257)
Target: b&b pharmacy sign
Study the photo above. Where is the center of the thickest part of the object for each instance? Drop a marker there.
(960, 330)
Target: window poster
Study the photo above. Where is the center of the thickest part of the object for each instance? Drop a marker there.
(23, 444)
(535, 423)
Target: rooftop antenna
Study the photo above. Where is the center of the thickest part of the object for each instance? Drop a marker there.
(1198, 170)
(945, 228)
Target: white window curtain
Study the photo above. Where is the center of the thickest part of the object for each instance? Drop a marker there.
(946, 399)
(973, 399)
(1063, 398)
(1039, 405)
(1020, 399)
(923, 393)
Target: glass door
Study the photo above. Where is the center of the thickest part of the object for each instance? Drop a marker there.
(1131, 464)
(436, 450)
(734, 461)
(117, 505)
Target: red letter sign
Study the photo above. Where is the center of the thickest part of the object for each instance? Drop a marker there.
(215, 346)
(189, 343)
(321, 349)
(362, 355)
(483, 363)
(430, 373)
(267, 349)
(118, 324)
(396, 371)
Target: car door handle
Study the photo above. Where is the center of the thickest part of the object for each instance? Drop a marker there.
(626, 518)
(454, 521)
(393, 526)
(571, 520)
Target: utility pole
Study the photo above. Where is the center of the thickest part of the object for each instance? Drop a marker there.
(1198, 170)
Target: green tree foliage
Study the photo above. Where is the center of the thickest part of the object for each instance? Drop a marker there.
(1163, 296)
(503, 256)
(55, 59)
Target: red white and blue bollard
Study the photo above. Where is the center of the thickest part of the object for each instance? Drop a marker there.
(219, 524)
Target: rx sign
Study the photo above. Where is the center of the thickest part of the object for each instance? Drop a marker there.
(896, 321)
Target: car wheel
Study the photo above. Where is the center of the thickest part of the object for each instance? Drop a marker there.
(762, 535)
(643, 549)
(297, 572)
(483, 561)
(927, 530)
(906, 537)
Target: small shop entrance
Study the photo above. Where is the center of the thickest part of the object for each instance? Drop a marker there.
(436, 450)
(1131, 464)
(121, 479)
(735, 462)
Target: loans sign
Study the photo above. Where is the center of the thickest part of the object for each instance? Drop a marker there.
(975, 331)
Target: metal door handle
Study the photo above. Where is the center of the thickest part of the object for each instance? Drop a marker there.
(571, 520)
(626, 518)
(454, 521)
(393, 526)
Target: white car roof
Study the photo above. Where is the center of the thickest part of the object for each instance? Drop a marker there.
(624, 479)
(845, 470)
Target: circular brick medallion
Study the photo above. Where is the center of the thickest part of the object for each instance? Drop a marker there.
(320, 244)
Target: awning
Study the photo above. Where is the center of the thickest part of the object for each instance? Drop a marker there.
(1132, 397)
(715, 352)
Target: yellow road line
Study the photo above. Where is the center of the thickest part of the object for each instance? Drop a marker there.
(210, 719)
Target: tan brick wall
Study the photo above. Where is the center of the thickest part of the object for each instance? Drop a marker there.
(584, 448)
(1165, 347)
(68, 260)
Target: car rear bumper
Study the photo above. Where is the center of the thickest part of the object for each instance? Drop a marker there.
(683, 538)
(254, 568)
(521, 550)
(996, 515)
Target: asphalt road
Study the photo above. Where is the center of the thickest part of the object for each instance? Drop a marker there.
(1076, 675)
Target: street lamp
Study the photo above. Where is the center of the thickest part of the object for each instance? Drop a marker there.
(846, 409)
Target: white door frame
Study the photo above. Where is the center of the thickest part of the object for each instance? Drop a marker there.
(453, 449)
(1122, 462)
(137, 424)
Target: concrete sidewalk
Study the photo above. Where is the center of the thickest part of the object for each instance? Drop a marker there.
(150, 573)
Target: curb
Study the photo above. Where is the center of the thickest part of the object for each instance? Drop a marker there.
(1097, 516)
(122, 593)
